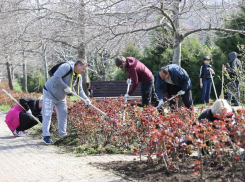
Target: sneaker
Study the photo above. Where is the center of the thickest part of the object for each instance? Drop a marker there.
(47, 140)
(19, 133)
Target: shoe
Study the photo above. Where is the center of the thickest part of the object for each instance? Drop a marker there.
(19, 133)
(47, 140)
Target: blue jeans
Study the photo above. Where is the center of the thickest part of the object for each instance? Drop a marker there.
(206, 90)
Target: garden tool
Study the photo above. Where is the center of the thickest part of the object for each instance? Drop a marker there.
(213, 85)
(90, 105)
(167, 100)
(222, 91)
(125, 102)
(20, 105)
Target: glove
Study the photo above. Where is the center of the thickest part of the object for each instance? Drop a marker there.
(28, 112)
(181, 92)
(87, 102)
(160, 102)
(68, 90)
(129, 81)
(126, 96)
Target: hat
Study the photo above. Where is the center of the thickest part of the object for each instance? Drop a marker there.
(206, 58)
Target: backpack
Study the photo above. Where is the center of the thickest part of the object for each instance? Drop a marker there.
(55, 67)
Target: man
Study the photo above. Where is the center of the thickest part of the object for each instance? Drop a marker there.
(138, 73)
(55, 91)
(234, 71)
(172, 79)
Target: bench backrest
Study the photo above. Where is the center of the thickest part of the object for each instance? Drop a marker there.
(111, 89)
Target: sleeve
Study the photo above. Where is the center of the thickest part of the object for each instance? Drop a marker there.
(24, 102)
(185, 79)
(134, 77)
(204, 115)
(231, 68)
(60, 72)
(207, 114)
(201, 73)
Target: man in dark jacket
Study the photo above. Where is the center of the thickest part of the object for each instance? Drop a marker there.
(234, 70)
(172, 79)
(138, 73)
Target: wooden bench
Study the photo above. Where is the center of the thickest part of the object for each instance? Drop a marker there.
(113, 89)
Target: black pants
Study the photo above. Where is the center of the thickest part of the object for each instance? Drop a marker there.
(26, 122)
(149, 94)
(187, 97)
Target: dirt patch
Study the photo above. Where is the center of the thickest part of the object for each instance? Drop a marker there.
(143, 171)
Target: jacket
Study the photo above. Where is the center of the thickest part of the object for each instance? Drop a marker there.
(137, 72)
(204, 72)
(207, 114)
(235, 67)
(56, 84)
(179, 77)
(12, 117)
(33, 105)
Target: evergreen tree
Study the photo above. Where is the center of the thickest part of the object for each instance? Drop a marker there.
(229, 43)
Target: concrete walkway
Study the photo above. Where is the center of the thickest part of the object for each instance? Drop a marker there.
(27, 159)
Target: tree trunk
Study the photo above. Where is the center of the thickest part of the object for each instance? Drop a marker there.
(44, 63)
(177, 36)
(82, 46)
(81, 54)
(24, 78)
(9, 77)
(12, 73)
(177, 51)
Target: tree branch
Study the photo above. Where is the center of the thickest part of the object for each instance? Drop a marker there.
(213, 29)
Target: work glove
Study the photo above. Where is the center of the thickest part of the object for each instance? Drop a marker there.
(87, 102)
(126, 96)
(68, 90)
(181, 92)
(160, 102)
(129, 81)
(29, 112)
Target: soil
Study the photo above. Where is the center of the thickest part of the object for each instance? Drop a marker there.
(213, 169)
(143, 171)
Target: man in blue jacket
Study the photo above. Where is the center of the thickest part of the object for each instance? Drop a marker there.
(172, 79)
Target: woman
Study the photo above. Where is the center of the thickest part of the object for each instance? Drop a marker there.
(219, 107)
(206, 72)
(19, 120)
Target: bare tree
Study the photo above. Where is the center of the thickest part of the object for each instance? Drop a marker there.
(182, 17)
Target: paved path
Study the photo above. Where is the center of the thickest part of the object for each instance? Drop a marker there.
(27, 159)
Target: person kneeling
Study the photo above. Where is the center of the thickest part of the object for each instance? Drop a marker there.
(19, 120)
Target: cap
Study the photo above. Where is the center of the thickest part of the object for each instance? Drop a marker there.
(206, 58)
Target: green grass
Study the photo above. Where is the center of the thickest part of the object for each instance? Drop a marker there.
(17, 86)
(201, 105)
(5, 108)
(72, 98)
